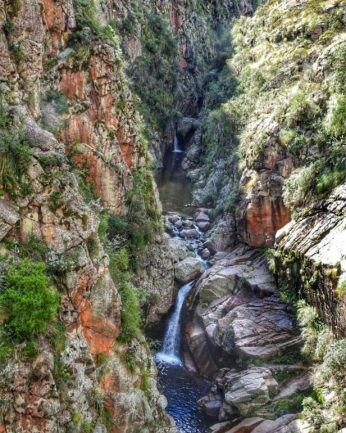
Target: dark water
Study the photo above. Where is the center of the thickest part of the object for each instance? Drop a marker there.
(182, 391)
(174, 187)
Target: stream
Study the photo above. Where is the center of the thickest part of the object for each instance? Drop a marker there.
(181, 388)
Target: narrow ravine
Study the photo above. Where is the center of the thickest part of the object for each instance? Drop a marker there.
(182, 388)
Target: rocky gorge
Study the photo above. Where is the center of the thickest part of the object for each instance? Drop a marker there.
(172, 163)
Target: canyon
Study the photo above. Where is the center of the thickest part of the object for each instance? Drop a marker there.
(172, 216)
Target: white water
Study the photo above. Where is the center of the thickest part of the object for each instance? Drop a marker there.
(176, 146)
(170, 353)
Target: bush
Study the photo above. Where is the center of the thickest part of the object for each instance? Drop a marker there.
(299, 185)
(130, 312)
(28, 303)
(59, 100)
(301, 111)
(14, 154)
(329, 180)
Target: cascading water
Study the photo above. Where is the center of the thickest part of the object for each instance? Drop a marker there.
(176, 145)
(182, 388)
(170, 353)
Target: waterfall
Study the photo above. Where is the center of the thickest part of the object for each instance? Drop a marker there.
(170, 352)
(176, 144)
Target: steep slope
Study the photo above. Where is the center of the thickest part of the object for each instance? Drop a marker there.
(276, 149)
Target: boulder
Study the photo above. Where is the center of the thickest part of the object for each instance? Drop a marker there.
(250, 389)
(260, 328)
(189, 234)
(179, 249)
(199, 349)
(202, 217)
(203, 225)
(188, 269)
(234, 271)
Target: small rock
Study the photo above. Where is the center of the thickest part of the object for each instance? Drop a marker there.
(212, 408)
(205, 253)
(188, 223)
(178, 224)
(174, 218)
(202, 217)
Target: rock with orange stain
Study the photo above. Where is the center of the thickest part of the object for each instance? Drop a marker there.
(100, 332)
(72, 84)
(59, 18)
(264, 216)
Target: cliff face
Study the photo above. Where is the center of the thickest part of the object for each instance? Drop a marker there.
(74, 149)
(79, 206)
(274, 146)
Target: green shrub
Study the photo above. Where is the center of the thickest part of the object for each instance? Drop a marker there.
(145, 380)
(28, 303)
(299, 185)
(301, 111)
(131, 360)
(87, 427)
(17, 52)
(329, 180)
(59, 100)
(130, 312)
(14, 154)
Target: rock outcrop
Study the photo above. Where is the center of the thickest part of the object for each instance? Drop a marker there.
(311, 257)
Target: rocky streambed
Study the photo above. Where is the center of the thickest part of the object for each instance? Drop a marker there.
(236, 334)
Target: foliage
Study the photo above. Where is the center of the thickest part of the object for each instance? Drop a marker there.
(341, 287)
(130, 312)
(14, 154)
(28, 303)
(59, 101)
(154, 76)
(299, 186)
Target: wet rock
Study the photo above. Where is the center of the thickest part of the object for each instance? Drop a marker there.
(200, 350)
(248, 390)
(178, 224)
(188, 269)
(189, 234)
(211, 406)
(205, 253)
(174, 218)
